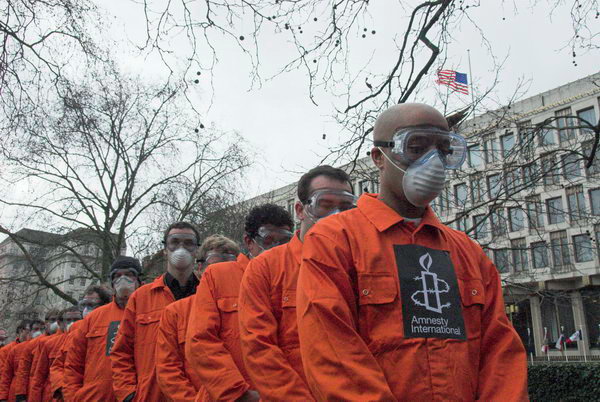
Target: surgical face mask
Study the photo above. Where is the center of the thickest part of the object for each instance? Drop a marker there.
(180, 258)
(35, 334)
(124, 286)
(424, 180)
(53, 327)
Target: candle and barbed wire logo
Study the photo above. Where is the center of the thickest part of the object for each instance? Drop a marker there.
(430, 295)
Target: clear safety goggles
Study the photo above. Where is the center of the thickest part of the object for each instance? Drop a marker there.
(269, 238)
(325, 202)
(415, 145)
(214, 257)
(88, 304)
(187, 241)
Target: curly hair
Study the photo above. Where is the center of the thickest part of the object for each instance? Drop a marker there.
(266, 214)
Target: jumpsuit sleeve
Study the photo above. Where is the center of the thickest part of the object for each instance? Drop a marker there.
(503, 361)
(265, 362)
(7, 373)
(170, 363)
(337, 362)
(57, 367)
(39, 374)
(206, 351)
(122, 357)
(23, 369)
(75, 362)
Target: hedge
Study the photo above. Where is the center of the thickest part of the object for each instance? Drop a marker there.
(564, 382)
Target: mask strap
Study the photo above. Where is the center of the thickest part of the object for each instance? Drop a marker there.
(391, 161)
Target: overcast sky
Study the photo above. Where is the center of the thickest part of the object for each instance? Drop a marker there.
(285, 129)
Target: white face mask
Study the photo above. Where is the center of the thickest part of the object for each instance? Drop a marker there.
(124, 286)
(36, 334)
(68, 327)
(180, 258)
(86, 311)
(53, 327)
(422, 183)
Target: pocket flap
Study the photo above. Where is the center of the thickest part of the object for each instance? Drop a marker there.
(96, 332)
(471, 291)
(376, 289)
(228, 304)
(288, 298)
(148, 318)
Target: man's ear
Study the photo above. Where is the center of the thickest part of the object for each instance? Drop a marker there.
(299, 207)
(377, 157)
(247, 241)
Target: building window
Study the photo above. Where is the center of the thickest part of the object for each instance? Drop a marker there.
(587, 117)
(564, 125)
(591, 309)
(549, 170)
(519, 252)
(513, 180)
(444, 200)
(82, 282)
(539, 253)
(527, 139)
(480, 225)
(460, 194)
(595, 201)
(571, 166)
(535, 216)
(501, 260)
(508, 143)
(498, 221)
(475, 156)
(461, 223)
(586, 149)
(531, 174)
(555, 210)
(364, 186)
(494, 184)
(547, 136)
(477, 188)
(557, 317)
(576, 202)
(71, 280)
(491, 149)
(583, 248)
(516, 219)
(559, 244)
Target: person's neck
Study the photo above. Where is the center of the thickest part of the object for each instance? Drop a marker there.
(182, 276)
(121, 301)
(402, 207)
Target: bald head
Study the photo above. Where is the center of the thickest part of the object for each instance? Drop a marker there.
(406, 115)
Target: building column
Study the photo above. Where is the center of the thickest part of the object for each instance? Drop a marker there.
(536, 322)
(580, 323)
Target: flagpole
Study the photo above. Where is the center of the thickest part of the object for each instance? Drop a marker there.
(582, 344)
(471, 80)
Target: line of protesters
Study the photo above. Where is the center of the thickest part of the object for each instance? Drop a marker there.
(325, 313)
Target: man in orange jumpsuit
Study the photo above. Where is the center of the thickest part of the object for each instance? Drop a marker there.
(22, 353)
(132, 356)
(3, 338)
(9, 365)
(268, 327)
(394, 305)
(212, 341)
(24, 371)
(71, 322)
(88, 373)
(177, 381)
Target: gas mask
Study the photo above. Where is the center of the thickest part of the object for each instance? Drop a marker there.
(124, 286)
(53, 327)
(180, 258)
(180, 247)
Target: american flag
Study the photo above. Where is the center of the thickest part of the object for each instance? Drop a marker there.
(454, 79)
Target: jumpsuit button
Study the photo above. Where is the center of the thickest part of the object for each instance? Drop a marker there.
(285, 298)
(474, 292)
(365, 292)
(234, 304)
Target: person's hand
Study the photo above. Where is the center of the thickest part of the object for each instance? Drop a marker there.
(249, 396)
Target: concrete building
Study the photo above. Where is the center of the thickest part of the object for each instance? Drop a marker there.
(526, 195)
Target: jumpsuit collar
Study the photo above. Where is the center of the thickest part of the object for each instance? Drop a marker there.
(294, 247)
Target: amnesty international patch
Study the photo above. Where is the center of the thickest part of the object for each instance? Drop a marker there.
(431, 306)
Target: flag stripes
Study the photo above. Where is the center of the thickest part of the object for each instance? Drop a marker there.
(453, 79)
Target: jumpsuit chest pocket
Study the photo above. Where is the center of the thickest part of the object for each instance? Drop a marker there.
(472, 297)
(148, 318)
(378, 310)
(376, 289)
(96, 333)
(288, 299)
(228, 304)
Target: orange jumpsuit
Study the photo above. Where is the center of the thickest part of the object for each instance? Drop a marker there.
(88, 374)
(176, 379)
(268, 326)
(132, 356)
(39, 384)
(23, 372)
(213, 341)
(355, 344)
(7, 371)
(58, 357)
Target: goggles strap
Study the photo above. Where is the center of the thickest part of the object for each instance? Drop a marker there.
(391, 161)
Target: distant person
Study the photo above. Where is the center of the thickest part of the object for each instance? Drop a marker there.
(213, 341)
(10, 356)
(88, 373)
(393, 304)
(94, 296)
(267, 301)
(216, 248)
(133, 354)
(72, 320)
(3, 337)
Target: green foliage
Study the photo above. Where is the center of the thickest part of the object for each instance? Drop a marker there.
(564, 382)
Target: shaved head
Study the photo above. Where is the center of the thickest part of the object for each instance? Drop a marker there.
(406, 115)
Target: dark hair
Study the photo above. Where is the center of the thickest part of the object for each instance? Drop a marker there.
(104, 294)
(181, 225)
(37, 321)
(23, 325)
(266, 214)
(304, 188)
(70, 309)
(52, 311)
